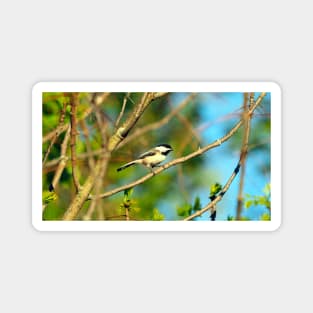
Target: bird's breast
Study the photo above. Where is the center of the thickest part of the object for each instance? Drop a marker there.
(154, 160)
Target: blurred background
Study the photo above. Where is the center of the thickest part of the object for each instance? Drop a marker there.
(185, 121)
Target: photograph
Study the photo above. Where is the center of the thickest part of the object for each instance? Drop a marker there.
(197, 156)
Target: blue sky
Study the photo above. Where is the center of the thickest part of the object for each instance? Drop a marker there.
(215, 109)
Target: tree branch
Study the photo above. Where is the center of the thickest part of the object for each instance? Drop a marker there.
(74, 104)
(244, 151)
(170, 164)
(122, 132)
(135, 134)
(122, 110)
(63, 159)
(56, 133)
(62, 128)
(160, 169)
(91, 161)
(218, 198)
(95, 204)
(115, 139)
(153, 126)
(246, 117)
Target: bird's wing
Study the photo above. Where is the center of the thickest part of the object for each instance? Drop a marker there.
(148, 153)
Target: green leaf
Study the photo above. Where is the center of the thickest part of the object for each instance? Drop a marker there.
(49, 196)
(184, 210)
(248, 203)
(156, 215)
(265, 217)
(128, 193)
(197, 204)
(215, 189)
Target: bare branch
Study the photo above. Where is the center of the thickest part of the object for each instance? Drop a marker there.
(83, 193)
(62, 128)
(140, 131)
(218, 198)
(91, 161)
(74, 133)
(95, 203)
(122, 132)
(56, 133)
(122, 110)
(159, 94)
(188, 125)
(63, 159)
(80, 156)
(244, 151)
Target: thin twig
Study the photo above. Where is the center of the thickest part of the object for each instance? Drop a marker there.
(74, 133)
(95, 203)
(122, 110)
(63, 159)
(122, 131)
(56, 133)
(212, 204)
(157, 95)
(61, 165)
(163, 121)
(91, 161)
(81, 156)
(127, 213)
(244, 151)
(188, 125)
(62, 128)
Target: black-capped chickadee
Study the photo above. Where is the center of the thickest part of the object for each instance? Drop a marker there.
(150, 158)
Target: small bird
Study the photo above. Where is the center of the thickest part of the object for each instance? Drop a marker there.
(150, 158)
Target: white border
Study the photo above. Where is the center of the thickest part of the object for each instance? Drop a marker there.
(271, 87)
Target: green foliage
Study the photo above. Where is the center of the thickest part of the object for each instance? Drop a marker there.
(265, 217)
(187, 209)
(215, 189)
(48, 196)
(263, 200)
(184, 210)
(157, 216)
(127, 201)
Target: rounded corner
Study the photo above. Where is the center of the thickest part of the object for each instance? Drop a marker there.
(276, 225)
(275, 86)
(37, 87)
(36, 226)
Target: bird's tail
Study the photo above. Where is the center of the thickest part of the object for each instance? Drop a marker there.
(128, 164)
